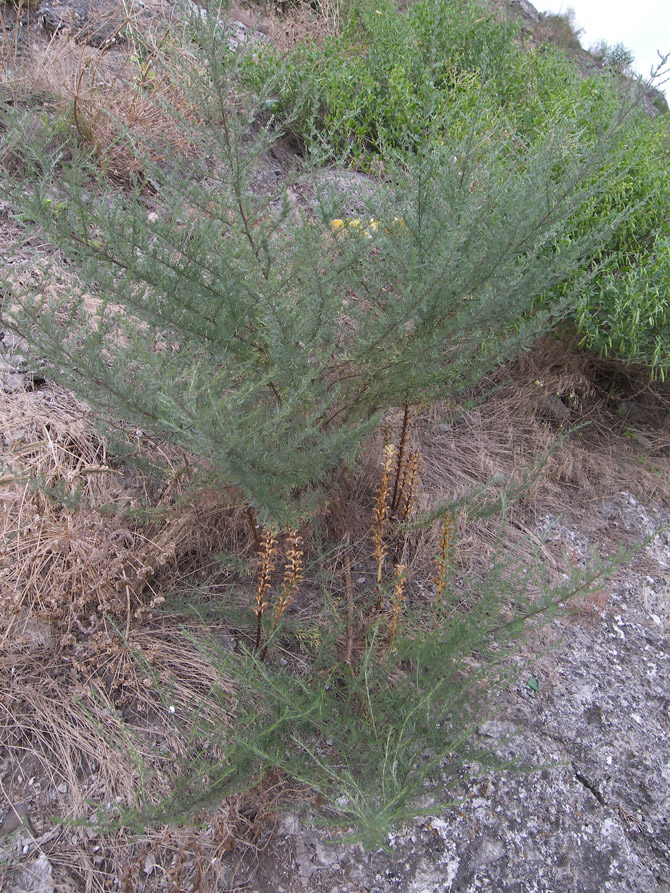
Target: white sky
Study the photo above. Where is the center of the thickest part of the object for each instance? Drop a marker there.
(642, 26)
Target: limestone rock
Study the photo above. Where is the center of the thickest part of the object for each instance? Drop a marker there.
(95, 23)
(35, 878)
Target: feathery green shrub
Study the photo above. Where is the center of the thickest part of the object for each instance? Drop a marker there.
(236, 324)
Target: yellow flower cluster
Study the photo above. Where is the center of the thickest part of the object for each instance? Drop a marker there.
(353, 223)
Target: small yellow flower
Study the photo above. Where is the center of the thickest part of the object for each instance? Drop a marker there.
(354, 223)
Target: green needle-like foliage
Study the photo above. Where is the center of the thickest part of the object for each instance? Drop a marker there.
(239, 326)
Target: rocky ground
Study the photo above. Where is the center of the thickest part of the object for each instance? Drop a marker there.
(586, 810)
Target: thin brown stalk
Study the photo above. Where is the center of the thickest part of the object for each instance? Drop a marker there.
(83, 131)
(128, 606)
(443, 561)
(400, 461)
(349, 649)
(410, 485)
(407, 493)
(398, 600)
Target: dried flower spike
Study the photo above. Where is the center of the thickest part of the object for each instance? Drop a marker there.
(410, 484)
(293, 573)
(381, 514)
(443, 561)
(266, 565)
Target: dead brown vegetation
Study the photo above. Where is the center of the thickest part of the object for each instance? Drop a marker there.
(122, 99)
(128, 99)
(559, 29)
(289, 24)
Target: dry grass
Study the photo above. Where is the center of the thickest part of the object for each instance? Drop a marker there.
(95, 689)
(499, 439)
(102, 730)
(222, 855)
(80, 551)
(126, 100)
(289, 24)
(13, 43)
(119, 106)
(587, 441)
(70, 568)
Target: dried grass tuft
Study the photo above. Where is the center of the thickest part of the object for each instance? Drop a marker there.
(582, 451)
(15, 19)
(103, 732)
(289, 24)
(126, 99)
(119, 106)
(81, 549)
(64, 562)
(96, 696)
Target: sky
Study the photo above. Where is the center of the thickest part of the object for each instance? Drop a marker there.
(642, 26)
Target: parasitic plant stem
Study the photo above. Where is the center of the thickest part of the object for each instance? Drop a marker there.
(381, 517)
(266, 565)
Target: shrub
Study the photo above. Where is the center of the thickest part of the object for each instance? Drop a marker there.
(243, 329)
(361, 700)
(624, 310)
(367, 740)
(560, 29)
(383, 84)
(618, 57)
(627, 311)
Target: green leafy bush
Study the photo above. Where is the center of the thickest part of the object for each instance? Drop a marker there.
(384, 84)
(616, 56)
(393, 82)
(624, 311)
(629, 313)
